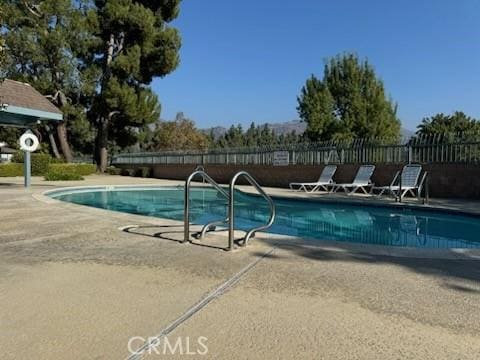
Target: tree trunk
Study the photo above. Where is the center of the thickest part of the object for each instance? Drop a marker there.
(102, 144)
(62, 137)
(53, 144)
(60, 100)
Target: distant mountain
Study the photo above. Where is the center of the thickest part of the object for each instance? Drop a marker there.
(406, 134)
(217, 131)
(287, 127)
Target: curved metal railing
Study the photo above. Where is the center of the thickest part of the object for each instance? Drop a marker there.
(230, 219)
(231, 209)
(205, 177)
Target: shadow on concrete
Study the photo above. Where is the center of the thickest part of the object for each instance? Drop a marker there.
(8, 184)
(170, 235)
(164, 235)
(448, 270)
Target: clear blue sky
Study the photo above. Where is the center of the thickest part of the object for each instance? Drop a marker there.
(244, 61)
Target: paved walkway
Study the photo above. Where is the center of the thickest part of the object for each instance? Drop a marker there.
(74, 286)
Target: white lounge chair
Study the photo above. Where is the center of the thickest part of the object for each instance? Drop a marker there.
(326, 178)
(406, 182)
(361, 181)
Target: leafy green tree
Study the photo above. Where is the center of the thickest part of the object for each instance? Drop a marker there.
(316, 107)
(180, 134)
(349, 102)
(441, 124)
(42, 41)
(135, 45)
(9, 135)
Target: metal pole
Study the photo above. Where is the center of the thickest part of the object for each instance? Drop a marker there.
(400, 188)
(426, 198)
(27, 168)
(186, 212)
(231, 216)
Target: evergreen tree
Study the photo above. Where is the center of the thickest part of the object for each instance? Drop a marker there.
(134, 45)
(255, 136)
(349, 101)
(267, 137)
(251, 136)
(233, 138)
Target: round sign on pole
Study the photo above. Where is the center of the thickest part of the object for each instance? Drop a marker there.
(28, 142)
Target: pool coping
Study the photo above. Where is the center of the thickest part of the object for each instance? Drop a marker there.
(354, 249)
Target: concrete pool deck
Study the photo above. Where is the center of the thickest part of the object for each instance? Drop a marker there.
(72, 285)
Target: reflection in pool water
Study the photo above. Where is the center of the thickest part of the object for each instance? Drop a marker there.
(306, 219)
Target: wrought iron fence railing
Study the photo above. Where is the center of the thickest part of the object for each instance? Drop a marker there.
(315, 154)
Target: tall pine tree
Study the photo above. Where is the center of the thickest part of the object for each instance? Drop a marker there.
(136, 44)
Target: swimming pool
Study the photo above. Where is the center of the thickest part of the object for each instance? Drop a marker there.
(315, 221)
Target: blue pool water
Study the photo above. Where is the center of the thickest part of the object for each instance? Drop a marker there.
(306, 219)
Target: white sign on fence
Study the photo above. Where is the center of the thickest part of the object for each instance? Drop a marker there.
(281, 158)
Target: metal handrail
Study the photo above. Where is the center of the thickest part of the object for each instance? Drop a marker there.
(424, 183)
(204, 175)
(231, 210)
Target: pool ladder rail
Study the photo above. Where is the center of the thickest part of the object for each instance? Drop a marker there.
(230, 219)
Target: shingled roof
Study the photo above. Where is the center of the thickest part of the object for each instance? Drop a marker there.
(15, 93)
(21, 105)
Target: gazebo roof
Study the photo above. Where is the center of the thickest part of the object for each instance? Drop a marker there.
(22, 105)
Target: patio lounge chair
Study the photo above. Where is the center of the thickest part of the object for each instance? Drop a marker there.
(406, 182)
(322, 182)
(361, 181)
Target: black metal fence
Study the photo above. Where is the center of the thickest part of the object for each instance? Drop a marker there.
(451, 148)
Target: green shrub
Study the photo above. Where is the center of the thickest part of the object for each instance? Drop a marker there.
(17, 157)
(11, 169)
(57, 161)
(40, 162)
(112, 170)
(143, 172)
(79, 169)
(62, 176)
(127, 172)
